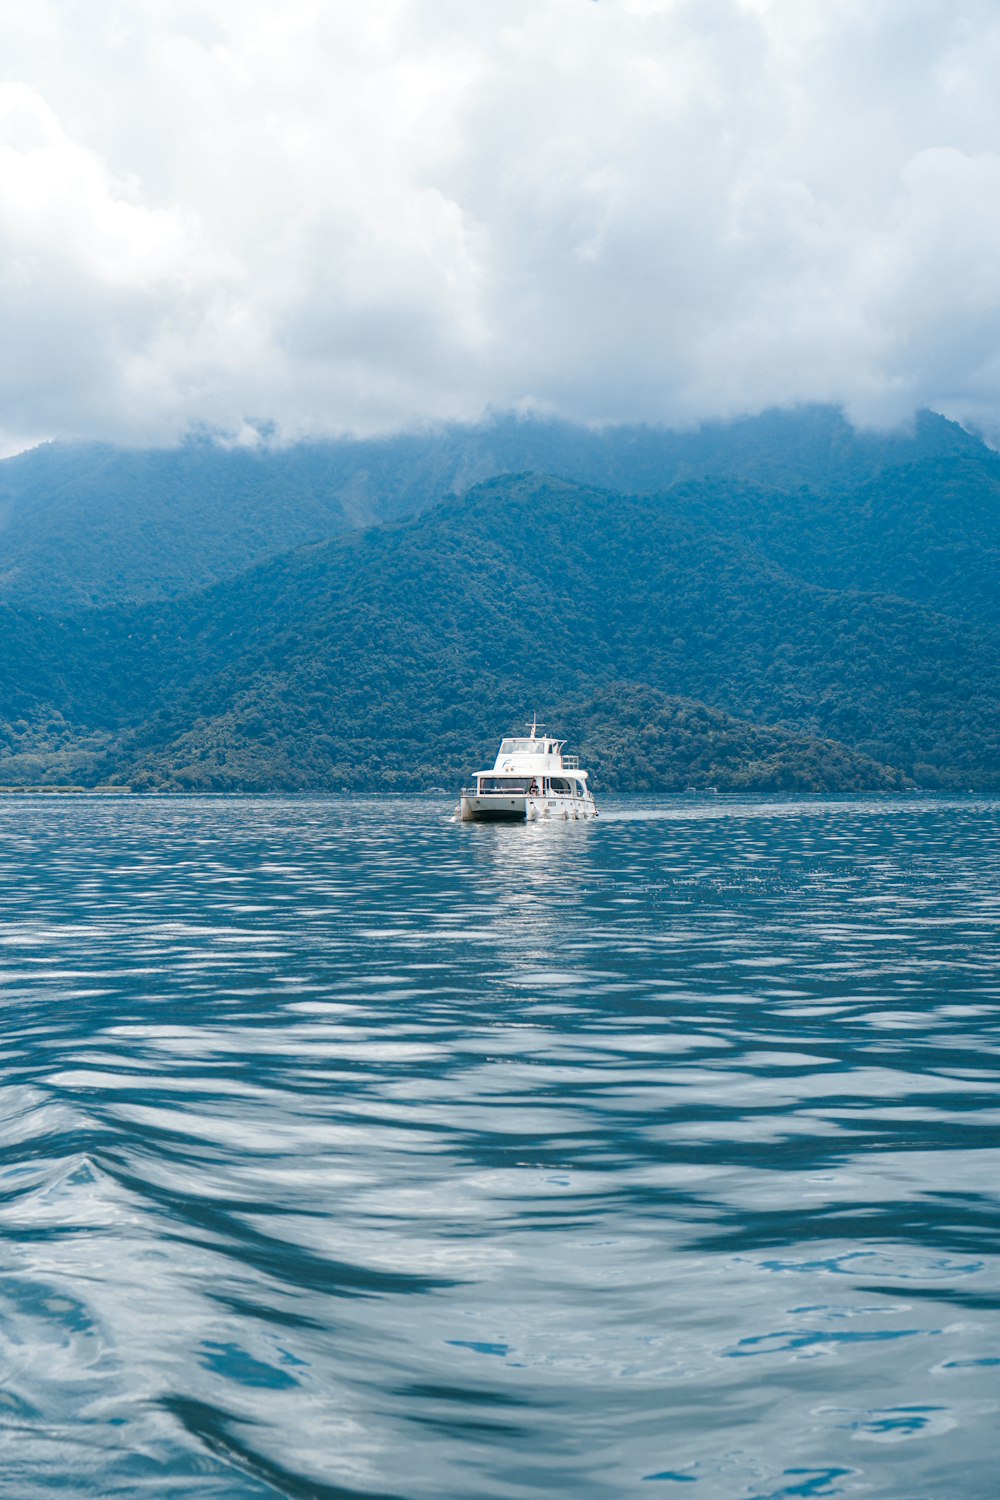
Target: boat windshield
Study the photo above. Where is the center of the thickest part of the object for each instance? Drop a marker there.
(522, 747)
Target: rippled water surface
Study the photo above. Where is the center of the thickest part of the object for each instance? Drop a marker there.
(348, 1151)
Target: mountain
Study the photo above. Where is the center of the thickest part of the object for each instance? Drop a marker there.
(927, 531)
(86, 526)
(394, 656)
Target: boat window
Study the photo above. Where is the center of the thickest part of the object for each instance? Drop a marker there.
(508, 747)
(515, 785)
(560, 786)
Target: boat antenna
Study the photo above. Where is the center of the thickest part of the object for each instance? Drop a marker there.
(534, 726)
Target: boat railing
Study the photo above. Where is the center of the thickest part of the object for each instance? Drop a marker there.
(571, 762)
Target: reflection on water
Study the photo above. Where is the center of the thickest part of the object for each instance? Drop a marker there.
(349, 1151)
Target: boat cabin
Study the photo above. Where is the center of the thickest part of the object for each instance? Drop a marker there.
(533, 766)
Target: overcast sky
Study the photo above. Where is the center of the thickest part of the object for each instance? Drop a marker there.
(335, 216)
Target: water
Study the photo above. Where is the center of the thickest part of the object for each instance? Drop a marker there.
(349, 1152)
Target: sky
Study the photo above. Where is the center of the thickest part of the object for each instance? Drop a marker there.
(320, 218)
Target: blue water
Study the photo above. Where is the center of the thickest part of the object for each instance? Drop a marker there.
(347, 1151)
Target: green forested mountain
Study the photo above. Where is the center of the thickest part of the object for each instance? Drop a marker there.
(928, 531)
(672, 651)
(91, 525)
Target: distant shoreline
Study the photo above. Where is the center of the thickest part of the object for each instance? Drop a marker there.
(68, 791)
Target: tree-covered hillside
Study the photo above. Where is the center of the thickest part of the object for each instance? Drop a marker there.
(395, 656)
(928, 531)
(84, 526)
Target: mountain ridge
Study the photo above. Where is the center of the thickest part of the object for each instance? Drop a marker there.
(91, 526)
(375, 655)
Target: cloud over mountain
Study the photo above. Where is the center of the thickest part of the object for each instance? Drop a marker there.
(355, 218)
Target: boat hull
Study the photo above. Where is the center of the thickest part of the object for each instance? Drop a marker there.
(493, 809)
(497, 808)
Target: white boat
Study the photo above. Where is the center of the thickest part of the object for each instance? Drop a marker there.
(530, 779)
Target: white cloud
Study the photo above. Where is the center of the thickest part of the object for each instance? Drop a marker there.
(339, 217)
